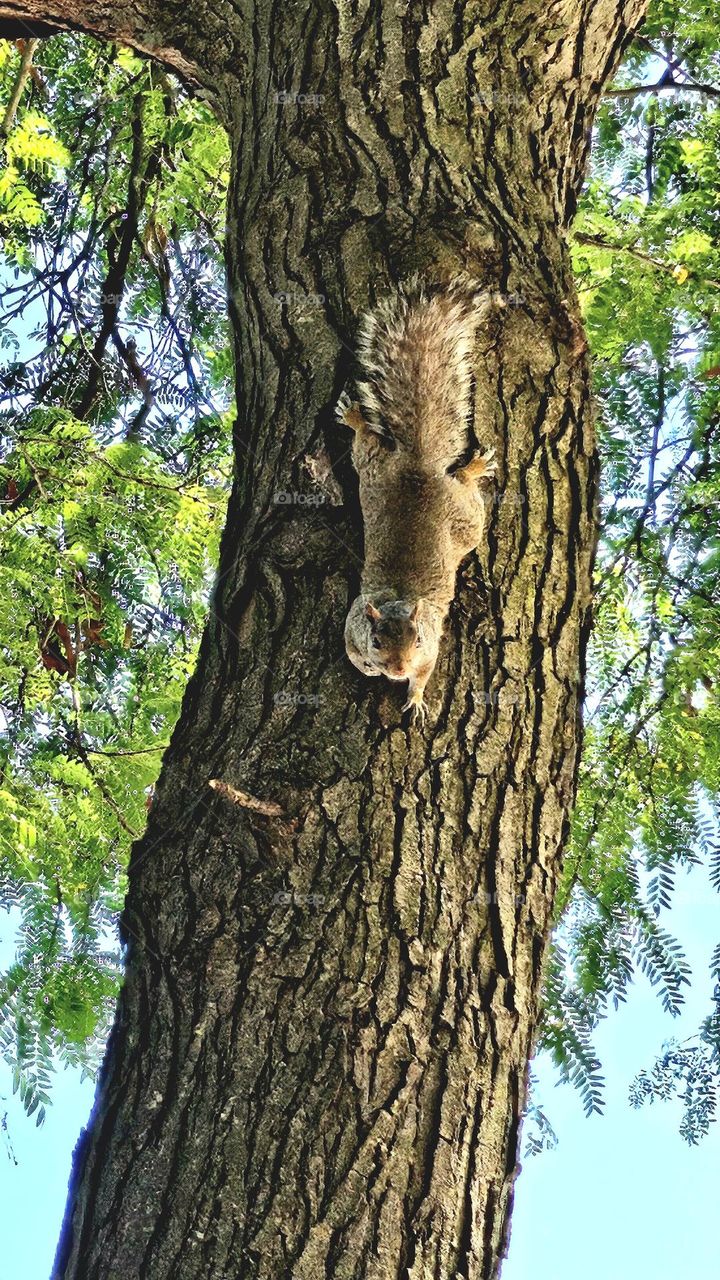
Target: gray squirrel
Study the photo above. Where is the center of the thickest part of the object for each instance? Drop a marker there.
(422, 512)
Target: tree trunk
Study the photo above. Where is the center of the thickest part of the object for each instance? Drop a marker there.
(334, 956)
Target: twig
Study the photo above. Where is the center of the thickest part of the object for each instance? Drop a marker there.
(659, 419)
(267, 807)
(22, 78)
(598, 242)
(107, 795)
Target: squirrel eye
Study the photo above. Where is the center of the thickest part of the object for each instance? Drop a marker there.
(376, 642)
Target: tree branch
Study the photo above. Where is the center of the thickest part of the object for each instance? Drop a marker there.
(23, 76)
(634, 91)
(194, 41)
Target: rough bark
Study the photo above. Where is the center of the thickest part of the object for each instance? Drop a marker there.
(319, 1062)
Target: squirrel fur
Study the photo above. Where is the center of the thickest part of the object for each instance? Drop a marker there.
(423, 510)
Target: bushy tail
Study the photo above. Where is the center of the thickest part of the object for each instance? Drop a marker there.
(415, 349)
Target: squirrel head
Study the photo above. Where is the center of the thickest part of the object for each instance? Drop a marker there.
(397, 639)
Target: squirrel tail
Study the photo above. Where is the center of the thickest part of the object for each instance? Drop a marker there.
(415, 350)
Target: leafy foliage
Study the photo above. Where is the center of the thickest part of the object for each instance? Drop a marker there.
(648, 269)
(114, 430)
(537, 1130)
(689, 1071)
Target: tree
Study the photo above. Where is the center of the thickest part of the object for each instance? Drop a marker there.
(334, 956)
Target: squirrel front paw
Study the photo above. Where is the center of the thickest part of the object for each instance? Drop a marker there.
(417, 707)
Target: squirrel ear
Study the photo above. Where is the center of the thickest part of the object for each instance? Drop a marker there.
(372, 612)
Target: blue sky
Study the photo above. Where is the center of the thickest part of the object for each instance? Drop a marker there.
(622, 1196)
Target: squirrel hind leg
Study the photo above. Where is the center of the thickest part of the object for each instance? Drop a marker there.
(479, 465)
(349, 413)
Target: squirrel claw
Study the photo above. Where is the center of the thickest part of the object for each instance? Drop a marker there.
(488, 461)
(418, 710)
(343, 406)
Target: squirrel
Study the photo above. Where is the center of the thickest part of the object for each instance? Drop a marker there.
(423, 510)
